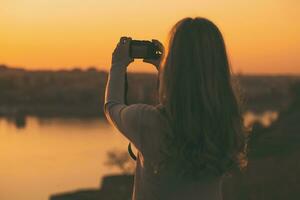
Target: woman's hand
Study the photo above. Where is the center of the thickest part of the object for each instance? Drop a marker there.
(120, 56)
(156, 62)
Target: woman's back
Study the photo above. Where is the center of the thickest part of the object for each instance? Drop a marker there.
(154, 180)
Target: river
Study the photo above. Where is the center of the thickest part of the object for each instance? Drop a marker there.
(49, 156)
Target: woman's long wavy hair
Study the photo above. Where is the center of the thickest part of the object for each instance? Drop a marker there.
(198, 97)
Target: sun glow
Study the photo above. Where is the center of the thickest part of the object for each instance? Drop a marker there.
(261, 36)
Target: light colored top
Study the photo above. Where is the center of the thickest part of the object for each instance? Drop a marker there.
(145, 126)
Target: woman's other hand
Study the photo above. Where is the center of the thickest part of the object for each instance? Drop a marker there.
(156, 62)
(120, 56)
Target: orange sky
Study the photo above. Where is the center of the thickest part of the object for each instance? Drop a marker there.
(262, 36)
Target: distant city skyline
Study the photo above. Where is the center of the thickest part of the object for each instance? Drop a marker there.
(261, 36)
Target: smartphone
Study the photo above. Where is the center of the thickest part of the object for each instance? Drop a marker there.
(144, 49)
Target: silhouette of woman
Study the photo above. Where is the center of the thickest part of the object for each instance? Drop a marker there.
(194, 136)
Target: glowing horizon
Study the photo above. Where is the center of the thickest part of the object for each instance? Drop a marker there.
(261, 37)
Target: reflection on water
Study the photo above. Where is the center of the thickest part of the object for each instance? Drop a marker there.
(20, 121)
(54, 155)
(265, 119)
(40, 157)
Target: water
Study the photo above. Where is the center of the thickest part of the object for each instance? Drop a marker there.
(49, 156)
(265, 118)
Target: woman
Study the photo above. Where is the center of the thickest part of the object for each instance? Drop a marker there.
(188, 142)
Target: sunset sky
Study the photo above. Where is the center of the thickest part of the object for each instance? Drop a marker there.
(262, 36)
